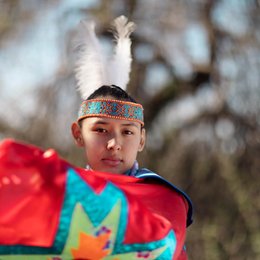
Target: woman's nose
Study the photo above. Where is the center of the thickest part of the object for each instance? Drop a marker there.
(113, 144)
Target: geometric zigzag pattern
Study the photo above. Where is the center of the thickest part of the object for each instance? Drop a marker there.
(90, 231)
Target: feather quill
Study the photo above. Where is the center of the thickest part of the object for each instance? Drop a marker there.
(93, 69)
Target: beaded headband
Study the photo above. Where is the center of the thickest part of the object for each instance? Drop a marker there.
(111, 108)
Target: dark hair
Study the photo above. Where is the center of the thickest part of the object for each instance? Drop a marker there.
(113, 91)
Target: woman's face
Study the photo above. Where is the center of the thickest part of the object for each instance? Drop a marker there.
(111, 145)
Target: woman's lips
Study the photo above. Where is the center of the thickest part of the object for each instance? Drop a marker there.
(112, 162)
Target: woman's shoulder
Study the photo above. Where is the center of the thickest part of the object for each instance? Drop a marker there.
(152, 176)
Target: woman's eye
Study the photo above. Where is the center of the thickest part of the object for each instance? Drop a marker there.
(128, 132)
(101, 130)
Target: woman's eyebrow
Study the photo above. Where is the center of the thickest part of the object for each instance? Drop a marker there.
(100, 122)
(129, 124)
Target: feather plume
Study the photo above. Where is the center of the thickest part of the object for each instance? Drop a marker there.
(93, 69)
(90, 70)
(120, 67)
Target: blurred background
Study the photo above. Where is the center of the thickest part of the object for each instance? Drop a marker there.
(196, 70)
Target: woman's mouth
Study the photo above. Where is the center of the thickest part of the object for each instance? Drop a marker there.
(112, 162)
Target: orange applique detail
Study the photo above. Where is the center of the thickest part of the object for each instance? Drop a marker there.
(91, 247)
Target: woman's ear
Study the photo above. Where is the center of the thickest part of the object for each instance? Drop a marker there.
(76, 133)
(142, 140)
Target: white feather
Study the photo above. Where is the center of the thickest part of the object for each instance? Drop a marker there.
(93, 69)
(120, 66)
(90, 70)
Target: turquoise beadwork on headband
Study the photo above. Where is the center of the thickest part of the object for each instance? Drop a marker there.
(110, 108)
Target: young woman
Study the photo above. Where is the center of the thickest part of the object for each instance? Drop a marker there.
(110, 128)
(110, 125)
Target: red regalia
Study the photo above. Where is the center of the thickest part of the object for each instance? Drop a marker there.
(52, 210)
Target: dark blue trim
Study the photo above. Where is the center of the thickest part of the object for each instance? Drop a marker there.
(147, 174)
